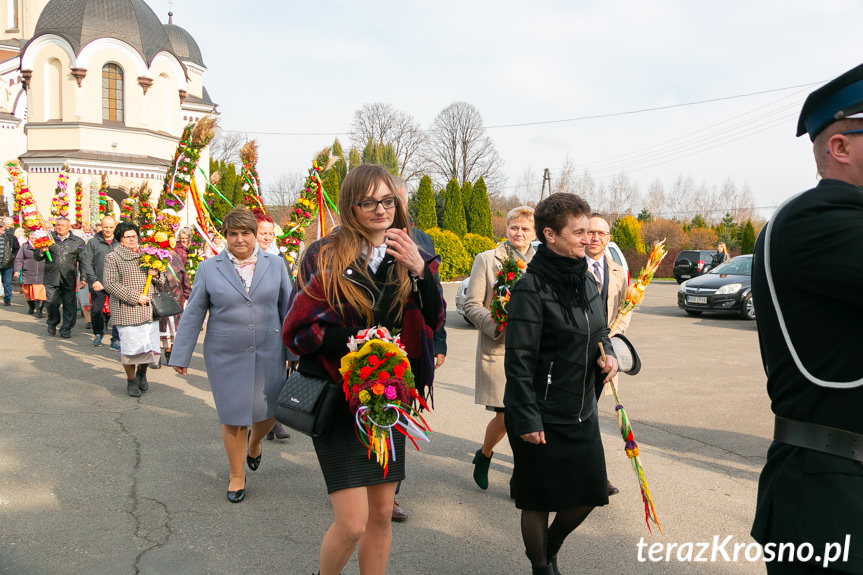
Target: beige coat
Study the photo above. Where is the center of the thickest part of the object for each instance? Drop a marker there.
(490, 378)
(616, 292)
(124, 281)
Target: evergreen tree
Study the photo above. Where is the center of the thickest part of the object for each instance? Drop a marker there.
(645, 216)
(332, 183)
(698, 222)
(385, 155)
(747, 243)
(480, 211)
(354, 159)
(229, 184)
(453, 213)
(342, 164)
(426, 217)
(728, 232)
(466, 193)
(439, 203)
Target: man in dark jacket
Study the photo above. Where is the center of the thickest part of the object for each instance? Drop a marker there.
(8, 250)
(61, 277)
(806, 277)
(93, 269)
(426, 244)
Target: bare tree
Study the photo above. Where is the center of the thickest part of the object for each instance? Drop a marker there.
(226, 146)
(566, 178)
(458, 147)
(384, 124)
(655, 201)
(622, 196)
(682, 199)
(281, 193)
(528, 187)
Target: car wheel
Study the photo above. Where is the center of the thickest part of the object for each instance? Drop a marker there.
(747, 308)
(692, 313)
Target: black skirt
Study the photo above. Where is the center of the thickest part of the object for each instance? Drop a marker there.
(345, 460)
(568, 471)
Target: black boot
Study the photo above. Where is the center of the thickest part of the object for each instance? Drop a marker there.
(31, 307)
(544, 570)
(480, 469)
(132, 387)
(141, 379)
(39, 308)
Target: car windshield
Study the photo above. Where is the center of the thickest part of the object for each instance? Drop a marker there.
(737, 267)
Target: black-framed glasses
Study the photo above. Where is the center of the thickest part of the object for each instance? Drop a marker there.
(372, 205)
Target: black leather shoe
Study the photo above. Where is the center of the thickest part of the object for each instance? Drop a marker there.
(612, 490)
(52, 330)
(238, 495)
(65, 334)
(132, 388)
(252, 462)
(399, 514)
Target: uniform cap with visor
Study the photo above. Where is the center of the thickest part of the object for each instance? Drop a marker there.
(836, 100)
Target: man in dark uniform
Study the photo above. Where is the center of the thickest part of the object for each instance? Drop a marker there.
(62, 271)
(807, 277)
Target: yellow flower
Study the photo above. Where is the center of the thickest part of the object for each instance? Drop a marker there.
(160, 237)
(365, 396)
(634, 295)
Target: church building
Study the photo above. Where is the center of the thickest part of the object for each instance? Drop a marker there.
(102, 86)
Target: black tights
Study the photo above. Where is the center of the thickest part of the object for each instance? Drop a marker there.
(542, 541)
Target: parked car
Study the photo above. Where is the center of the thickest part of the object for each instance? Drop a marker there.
(726, 288)
(612, 250)
(692, 263)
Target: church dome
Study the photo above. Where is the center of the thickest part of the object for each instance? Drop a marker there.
(82, 21)
(183, 44)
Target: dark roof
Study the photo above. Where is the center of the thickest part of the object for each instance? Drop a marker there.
(82, 21)
(183, 44)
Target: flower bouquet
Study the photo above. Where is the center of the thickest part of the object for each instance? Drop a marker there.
(157, 238)
(379, 388)
(635, 292)
(510, 272)
(16, 176)
(31, 220)
(178, 179)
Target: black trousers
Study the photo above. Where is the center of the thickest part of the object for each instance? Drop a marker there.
(97, 316)
(66, 296)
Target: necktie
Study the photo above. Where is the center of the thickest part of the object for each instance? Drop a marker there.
(597, 271)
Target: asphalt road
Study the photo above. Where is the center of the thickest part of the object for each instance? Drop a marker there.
(93, 481)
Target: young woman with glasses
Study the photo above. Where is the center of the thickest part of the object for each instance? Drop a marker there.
(365, 272)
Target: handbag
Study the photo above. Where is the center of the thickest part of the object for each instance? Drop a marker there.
(164, 305)
(306, 404)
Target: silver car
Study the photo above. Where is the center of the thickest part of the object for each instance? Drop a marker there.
(611, 250)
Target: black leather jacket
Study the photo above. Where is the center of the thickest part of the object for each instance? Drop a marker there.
(550, 364)
(65, 264)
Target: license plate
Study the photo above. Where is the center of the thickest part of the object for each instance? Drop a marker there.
(685, 277)
(696, 299)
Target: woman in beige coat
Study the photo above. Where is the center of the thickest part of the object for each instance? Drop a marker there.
(490, 378)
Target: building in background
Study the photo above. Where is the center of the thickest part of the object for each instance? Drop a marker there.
(100, 85)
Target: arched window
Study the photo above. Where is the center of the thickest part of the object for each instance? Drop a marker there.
(112, 93)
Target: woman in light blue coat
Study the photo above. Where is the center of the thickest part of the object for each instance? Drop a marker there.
(246, 292)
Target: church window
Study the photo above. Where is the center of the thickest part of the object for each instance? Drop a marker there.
(112, 93)
(12, 15)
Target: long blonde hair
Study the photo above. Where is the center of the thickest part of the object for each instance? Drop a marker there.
(344, 245)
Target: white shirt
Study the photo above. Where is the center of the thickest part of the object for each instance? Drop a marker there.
(378, 255)
(599, 270)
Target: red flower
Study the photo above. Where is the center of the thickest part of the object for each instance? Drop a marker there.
(373, 360)
(510, 276)
(383, 376)
(365, 372)
(399, 370)
(355, 389)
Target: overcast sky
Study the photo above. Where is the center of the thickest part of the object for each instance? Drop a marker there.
(305, 67)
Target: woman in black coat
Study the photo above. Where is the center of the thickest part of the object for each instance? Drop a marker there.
(555, 325)
(31, 273)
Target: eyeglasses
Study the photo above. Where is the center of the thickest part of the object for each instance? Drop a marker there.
(597, 233)
(372, 205)
(135, 237)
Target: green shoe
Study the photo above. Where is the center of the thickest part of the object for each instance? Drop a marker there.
(480, 470)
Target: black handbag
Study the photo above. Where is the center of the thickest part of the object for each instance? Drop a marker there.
(306, 404)
(164, 305)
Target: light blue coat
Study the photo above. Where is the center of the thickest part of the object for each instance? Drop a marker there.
(243, 349)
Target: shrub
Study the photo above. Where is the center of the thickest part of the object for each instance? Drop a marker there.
(747, 242)
(455, 261)
(661, 229)
(475, 244)
(702, 238)
(627, 234)
(480, 211)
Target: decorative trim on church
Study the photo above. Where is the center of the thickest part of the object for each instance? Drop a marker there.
(145, 83)
(25, 78)
(79, 74)
(183, 94)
